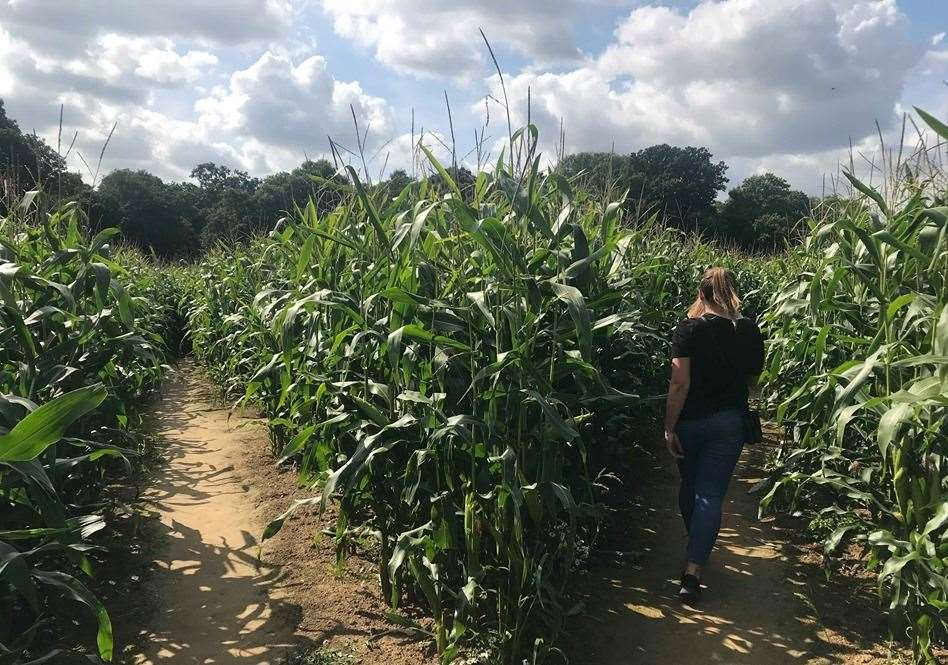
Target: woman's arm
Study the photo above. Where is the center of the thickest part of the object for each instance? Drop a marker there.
(678, 387)
(753, 385)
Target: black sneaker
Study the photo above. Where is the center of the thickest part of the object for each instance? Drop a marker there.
(690, 590)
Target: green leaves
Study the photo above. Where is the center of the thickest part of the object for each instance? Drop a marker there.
(414, 331)
(868, 191)
(74, 589)
(579, 313)
(436, 371)
(45, 426)
(890, 424)
(940, 128)
(83, 332)
(868, 455)
(370, 211)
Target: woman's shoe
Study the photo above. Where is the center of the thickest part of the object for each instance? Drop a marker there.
(690, 590)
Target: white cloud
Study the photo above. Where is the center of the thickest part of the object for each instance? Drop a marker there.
(290, 106)
(53, 26)
(430, 38)
(153, 70)
(267, 118)
(763, 83)
(747, 78)
(154, 59)
(935, 62)
(7, 51)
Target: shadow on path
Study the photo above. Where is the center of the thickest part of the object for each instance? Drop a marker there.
(214, 602)
(755, 606)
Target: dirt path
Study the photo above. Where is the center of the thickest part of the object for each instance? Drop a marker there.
(214, 605)
(760, 603)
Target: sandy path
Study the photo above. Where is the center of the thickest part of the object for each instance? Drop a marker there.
(213, 603)
(757, 606)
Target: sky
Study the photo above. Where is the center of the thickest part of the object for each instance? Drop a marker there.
(259, 85)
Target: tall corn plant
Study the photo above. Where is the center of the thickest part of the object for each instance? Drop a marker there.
(445, 363)
(436, 359)
(859, 363)
(81, 339)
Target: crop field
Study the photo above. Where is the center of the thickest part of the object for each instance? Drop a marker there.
(85, 332)
(452, 368)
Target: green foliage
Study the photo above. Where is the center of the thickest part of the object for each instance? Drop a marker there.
(443, 364)
(283, 192)
(679, 184)
(81, 341)
(858, 365)
(319, 656)
(175, 220)
(148, 212)
(225, 203)
(763, 213)
(26, 163)
(397, 181)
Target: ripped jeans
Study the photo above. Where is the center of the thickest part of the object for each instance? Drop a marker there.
(712, 445)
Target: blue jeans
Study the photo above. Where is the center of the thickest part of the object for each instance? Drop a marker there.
(712, 446)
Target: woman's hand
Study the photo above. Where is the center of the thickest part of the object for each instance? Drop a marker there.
(674, 445)
(678, 387)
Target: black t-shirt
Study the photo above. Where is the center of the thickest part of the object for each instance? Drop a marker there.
(723, 354)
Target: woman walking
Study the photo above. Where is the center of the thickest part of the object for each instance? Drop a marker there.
(716, 358)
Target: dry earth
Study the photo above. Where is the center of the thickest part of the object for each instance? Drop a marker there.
(766, 599)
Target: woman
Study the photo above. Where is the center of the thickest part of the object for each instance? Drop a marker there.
(717, 355)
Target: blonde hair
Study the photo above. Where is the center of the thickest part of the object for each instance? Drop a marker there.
(718, 287)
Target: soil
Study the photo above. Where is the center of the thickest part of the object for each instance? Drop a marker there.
(766, 598)
(211, 593)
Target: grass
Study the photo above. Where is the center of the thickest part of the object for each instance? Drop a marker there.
(318, 656)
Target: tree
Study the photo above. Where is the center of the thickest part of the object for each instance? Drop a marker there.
(281, 192)
(600, 173)
(214, 178)
(186, 197)
(397, 181)
(762, 213)
(146, 211)
(226, 205)
(462, 177)
(678, 183)
(681, 183)
(26, 163)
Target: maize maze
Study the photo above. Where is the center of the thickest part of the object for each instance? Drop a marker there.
(452, 370)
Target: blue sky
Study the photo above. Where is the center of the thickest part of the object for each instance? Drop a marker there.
(781, 85)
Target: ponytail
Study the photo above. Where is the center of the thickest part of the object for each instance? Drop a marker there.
(718, 287)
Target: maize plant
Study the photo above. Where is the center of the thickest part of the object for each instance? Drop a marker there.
(442, 363)
(859, 364)
(81, 341)
(436, 360)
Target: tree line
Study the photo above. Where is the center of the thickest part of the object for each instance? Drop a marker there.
(681, 186)
(180, 219)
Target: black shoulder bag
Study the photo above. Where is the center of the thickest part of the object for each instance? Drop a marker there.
(753, 431)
